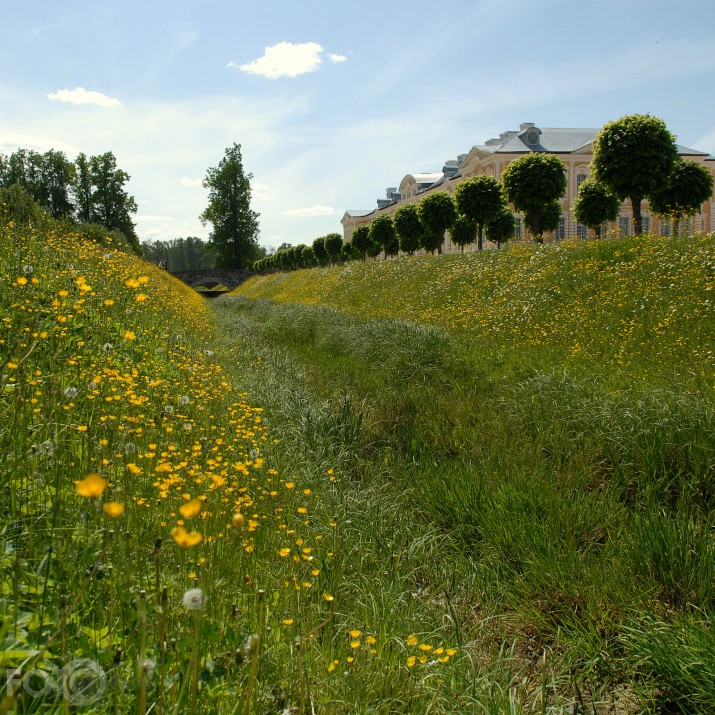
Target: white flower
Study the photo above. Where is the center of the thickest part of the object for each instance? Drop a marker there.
(27, 269)
(193, 599)
(47, 448)
(184, 400)
(71, 392)
(107, 347)
(168, 409)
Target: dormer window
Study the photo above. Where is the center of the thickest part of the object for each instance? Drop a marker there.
(532, 137)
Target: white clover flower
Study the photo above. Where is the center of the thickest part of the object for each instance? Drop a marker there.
(193, 599)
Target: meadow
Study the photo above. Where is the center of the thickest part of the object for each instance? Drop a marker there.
(477, 483)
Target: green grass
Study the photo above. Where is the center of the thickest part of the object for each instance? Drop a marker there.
(466, 484)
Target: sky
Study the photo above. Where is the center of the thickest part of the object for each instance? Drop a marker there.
(333, 102)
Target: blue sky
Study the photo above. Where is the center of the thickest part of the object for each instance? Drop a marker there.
(333, 102)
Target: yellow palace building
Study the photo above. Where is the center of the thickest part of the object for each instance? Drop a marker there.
(573, 146)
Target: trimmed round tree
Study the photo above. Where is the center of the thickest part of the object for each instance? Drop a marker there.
(360, 239)
(634, 157)
(409, 229)
(595, 205)
(382, 233)
(479, 199)
(463, 232)
(534, 183)
(321, 253)
(437, 213)
(500, 229)
(333, 246)
(689, 185)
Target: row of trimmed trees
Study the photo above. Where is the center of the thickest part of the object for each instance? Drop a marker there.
(635, 158)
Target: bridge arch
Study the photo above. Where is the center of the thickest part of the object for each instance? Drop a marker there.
(211, 277)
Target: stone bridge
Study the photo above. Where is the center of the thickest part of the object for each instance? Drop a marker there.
(211, 277)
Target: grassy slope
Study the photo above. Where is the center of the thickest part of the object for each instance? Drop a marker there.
(645, 303)
(565, 441)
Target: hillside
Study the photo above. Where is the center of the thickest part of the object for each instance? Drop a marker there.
(644, 303)
(450, 484)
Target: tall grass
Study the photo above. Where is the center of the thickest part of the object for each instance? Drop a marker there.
(252, 507)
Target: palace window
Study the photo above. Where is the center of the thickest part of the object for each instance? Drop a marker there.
(560, 231)
(624, 225)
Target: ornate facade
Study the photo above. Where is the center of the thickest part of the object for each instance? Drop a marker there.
(573, 146)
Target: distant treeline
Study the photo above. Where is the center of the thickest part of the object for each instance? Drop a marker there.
(180, 254)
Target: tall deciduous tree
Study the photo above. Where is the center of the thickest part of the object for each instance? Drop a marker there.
(533, 183)
(234, 234)
(409, 229)
(689, 185)
(634, 156)
(437, 213)
(595, 205)
(111, 205)
(479, 199)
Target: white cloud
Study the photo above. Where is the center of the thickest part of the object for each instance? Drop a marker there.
(186, 181)
(81, 96)
(337, 58)
(149, 217)
(10, 141)
(308, 211)
(285, 60)
(259, 192)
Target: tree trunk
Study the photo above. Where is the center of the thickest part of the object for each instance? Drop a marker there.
(479, 241)
(637, 219)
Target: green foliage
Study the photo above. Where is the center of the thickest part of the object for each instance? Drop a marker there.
(437, 213)
(463, 232)
(360, 239)
(334, 246)
(234, 234)
(17, 205)
(689, 185)
(479, 199)
(595, 205)
(180, 254)
(382, 234)
(500, 228)
(534, 183)
(409, 228)
(634, 157)
(320, 251)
